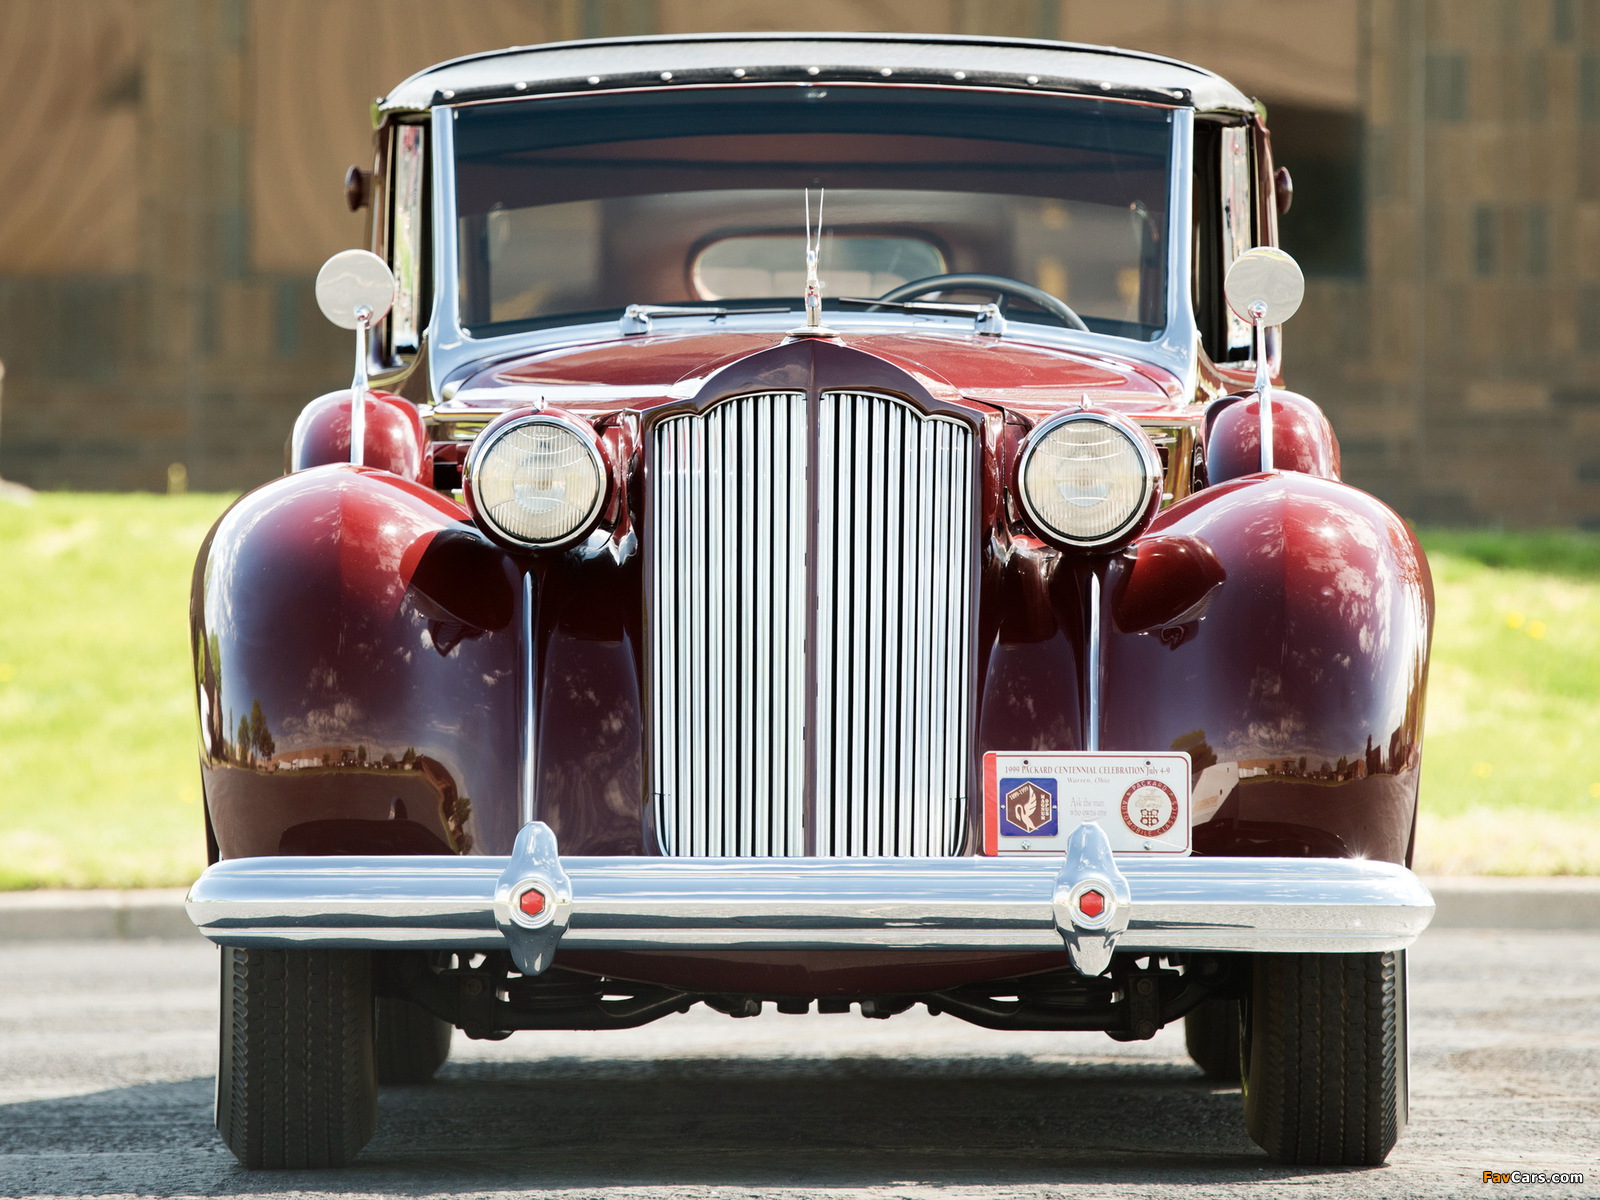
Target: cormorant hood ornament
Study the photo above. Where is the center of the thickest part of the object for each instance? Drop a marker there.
(813, 294)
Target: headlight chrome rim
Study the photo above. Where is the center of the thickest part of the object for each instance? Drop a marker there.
(1138, 517)
(508, 425)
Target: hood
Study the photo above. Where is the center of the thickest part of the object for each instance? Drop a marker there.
(1004, 373)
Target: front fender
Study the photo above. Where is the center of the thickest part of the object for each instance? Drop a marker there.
(356, 663)
(1298, 684)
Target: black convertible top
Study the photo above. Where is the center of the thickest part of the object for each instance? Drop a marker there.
(756, 58)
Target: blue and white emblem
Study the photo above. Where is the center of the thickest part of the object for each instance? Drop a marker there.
(1028, 807)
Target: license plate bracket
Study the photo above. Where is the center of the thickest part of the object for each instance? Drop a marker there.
(1034, 799)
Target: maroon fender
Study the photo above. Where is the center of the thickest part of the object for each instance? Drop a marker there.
(395, 440)
(1299, 691)
(356, 656)
(1302, 438)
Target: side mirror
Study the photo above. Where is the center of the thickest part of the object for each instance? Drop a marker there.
(355, 290)
(1264, 287)
(353, 280)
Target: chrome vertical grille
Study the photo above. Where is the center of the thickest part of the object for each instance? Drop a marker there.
(819, 711)
(727, 561)
(894, 564)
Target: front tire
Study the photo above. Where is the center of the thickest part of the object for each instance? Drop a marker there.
(412, 1043)
(1325, 1063)
(1211, 1035)
(296, 1085)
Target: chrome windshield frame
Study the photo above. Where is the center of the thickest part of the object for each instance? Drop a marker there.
(453, 353)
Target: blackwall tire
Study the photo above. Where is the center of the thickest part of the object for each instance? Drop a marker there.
(412, 1043)
(1325, 1063)
(296, 1085)
(1211, 1035)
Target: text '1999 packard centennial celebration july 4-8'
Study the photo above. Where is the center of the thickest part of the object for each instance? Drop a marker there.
(816, 523)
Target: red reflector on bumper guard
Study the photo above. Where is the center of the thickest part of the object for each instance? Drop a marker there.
(532, 902)
(1090, 904)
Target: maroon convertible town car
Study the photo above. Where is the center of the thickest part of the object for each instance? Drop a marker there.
(814, 525)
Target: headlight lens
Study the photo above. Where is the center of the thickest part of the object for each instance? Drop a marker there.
(537, 481)
(1086, 480)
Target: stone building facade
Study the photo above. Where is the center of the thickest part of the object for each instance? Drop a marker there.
(173, 174)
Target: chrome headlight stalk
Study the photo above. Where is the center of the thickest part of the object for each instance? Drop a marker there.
(1089, 480)
(536, 479)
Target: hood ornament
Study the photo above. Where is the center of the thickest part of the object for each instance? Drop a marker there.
(813, 295)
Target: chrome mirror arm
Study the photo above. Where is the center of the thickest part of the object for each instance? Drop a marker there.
(1258, 327)
(358, 386)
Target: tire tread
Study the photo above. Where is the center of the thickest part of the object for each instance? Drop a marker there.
(1325, 1079)
(296, 1085)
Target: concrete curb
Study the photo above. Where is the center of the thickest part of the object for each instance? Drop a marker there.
(74, 916)
(1515, 902)
(1465, 902)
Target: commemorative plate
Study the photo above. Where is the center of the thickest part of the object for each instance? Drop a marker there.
(1032, 801)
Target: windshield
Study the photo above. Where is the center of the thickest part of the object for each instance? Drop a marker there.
(572, 208)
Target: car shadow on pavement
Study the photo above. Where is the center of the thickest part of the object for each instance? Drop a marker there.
(769, 1123)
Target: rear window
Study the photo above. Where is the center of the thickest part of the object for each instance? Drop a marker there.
(770, 265)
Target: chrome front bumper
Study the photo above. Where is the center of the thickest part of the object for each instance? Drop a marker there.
(1014, 903)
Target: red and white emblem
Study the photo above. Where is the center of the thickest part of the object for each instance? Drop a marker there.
(1149, 808)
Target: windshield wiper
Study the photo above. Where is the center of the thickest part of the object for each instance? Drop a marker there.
(915, 305)
(986, 318)
(636, 318)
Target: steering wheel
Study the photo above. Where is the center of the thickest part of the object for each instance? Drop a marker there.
(1001, 285)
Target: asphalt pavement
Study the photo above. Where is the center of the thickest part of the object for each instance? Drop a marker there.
(107, 1053)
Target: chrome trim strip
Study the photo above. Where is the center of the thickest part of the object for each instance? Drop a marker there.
(1179, 348)
(448, 346)
(784, 59)
(1222, 904)
(1091, 722)
(405, 202)
(530, 707)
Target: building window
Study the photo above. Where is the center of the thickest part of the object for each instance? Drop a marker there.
(1589, 319)
(1483, 240)
(1325, 151)
(1447, 86)
(1589, 88)
(1563, 20)
(1538, 240)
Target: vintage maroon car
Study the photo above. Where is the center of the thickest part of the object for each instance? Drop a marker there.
(821, 533)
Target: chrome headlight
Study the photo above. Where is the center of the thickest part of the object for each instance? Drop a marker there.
(1088, 480)
(535, 480)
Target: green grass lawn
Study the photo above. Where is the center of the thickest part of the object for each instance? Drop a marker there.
(98, 785)
(1511, 758)
(98, 734)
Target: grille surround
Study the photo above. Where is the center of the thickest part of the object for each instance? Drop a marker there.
(821, 628)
